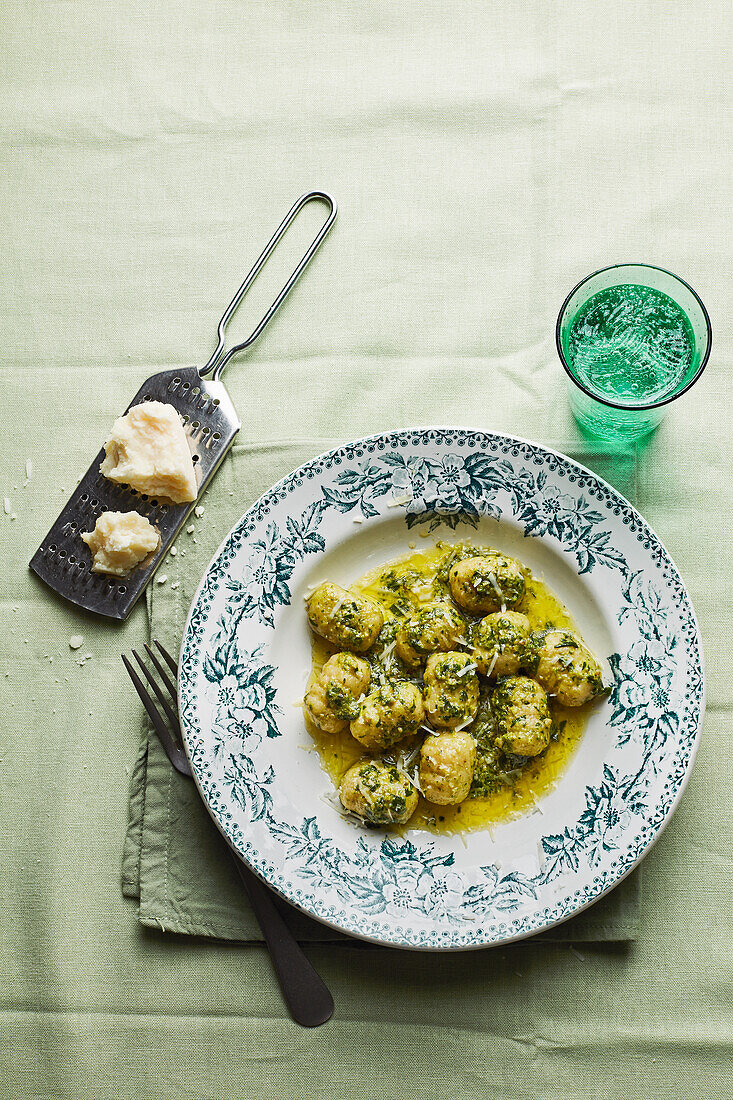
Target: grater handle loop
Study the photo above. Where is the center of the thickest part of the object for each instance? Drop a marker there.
(219, 359)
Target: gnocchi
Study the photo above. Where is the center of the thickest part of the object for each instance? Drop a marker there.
(449, 683)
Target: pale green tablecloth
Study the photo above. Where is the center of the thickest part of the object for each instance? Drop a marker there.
(485, 157)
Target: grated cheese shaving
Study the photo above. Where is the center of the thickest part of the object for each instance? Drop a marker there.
(465, 671)
(338, 606)
(409, 758)
(412, 781)
(348, 815)
(495, 586)
(446, 615)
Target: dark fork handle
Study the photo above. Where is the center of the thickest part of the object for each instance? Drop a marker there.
(305, 993)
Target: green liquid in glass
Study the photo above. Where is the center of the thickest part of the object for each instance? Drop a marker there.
(630, 344)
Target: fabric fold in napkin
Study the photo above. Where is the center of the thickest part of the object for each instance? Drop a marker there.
(175, 861)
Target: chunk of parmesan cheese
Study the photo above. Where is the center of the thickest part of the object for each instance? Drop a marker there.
(148, 451)
(119, 541)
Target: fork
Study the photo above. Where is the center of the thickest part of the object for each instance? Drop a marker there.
(305, 993)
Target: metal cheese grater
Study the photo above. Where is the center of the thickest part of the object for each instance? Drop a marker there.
(63, 561)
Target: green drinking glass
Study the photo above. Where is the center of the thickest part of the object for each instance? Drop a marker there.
(632, 338)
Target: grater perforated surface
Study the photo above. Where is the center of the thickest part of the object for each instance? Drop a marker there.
(63, 561)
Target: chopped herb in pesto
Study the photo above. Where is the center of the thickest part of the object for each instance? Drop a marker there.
(464, 651)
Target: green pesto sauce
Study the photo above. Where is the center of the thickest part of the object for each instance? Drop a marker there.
(503, 786)
(341, 700)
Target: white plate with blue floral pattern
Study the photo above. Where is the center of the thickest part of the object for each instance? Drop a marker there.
(246, 657)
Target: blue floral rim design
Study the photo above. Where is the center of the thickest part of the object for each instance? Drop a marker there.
(405, 891)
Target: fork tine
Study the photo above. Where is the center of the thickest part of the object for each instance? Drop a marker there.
(161, 672)
(167, 657)
(146, 699)
(176, 755)
(171, 714)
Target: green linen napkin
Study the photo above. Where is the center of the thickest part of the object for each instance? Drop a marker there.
(175, 861)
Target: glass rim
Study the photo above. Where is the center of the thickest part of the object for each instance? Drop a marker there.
(618, 404)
